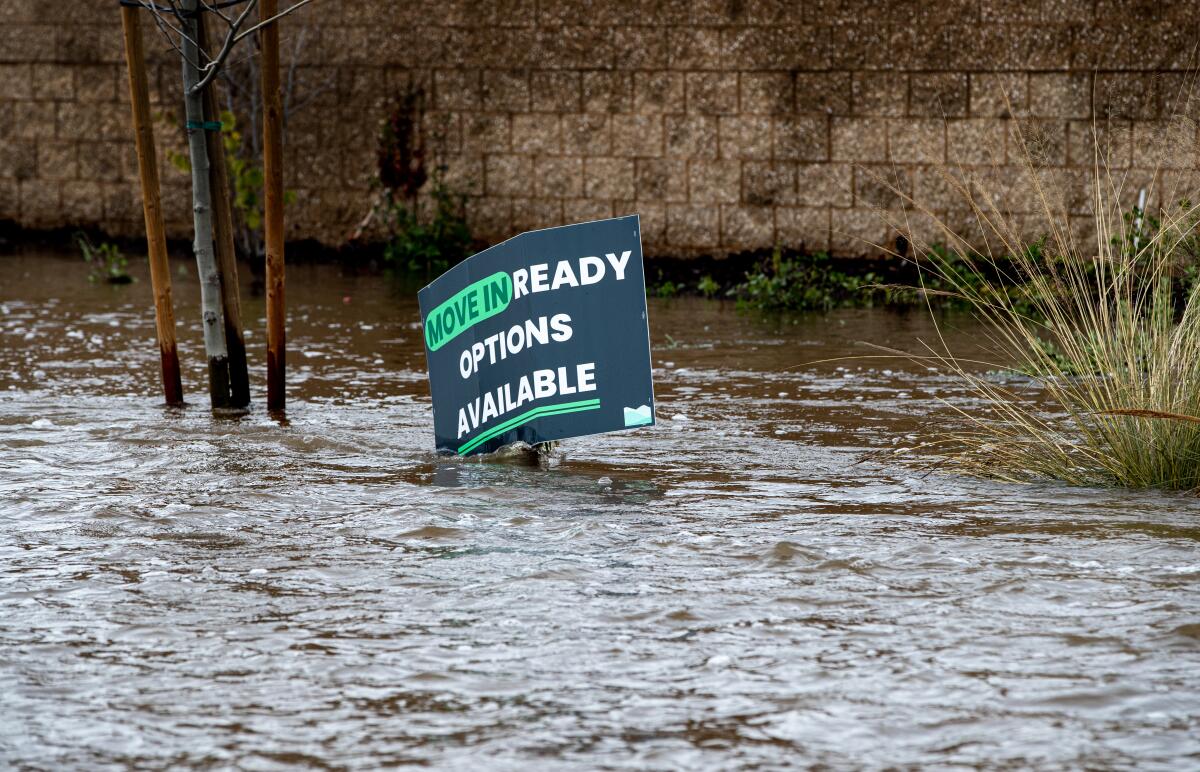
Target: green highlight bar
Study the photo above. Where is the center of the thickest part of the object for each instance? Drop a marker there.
(526, 417)
(481, 300)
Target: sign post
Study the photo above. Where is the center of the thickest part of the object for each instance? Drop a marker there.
(540, 338)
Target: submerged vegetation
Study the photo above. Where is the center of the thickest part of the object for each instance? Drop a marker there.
(105, 261)
(707, 286)
(817, 282)
(803, 282)
(1105, 320)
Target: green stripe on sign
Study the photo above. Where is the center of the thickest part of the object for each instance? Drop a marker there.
(481, 300)
(526, 417)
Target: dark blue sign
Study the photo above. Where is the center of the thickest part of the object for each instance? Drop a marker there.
(539, 338)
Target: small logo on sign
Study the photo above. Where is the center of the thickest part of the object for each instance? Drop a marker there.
(638, 416)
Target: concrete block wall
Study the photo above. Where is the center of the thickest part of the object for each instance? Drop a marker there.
(727, 124)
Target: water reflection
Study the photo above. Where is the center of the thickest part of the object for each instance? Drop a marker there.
(733, 587)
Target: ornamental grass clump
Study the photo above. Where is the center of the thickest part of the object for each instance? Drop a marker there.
(1099, 313)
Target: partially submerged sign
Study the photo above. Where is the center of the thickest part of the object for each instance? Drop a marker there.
(539, 338)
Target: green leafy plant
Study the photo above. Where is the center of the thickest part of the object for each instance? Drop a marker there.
(246, 179)
(105, 261)
(664, 288)
(428, 239)
(707, 286)
(802, 282)
(667, 289)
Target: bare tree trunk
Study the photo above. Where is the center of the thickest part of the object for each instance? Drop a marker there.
(206, 264)
(273, 209)
(156, 240)
(231, 306)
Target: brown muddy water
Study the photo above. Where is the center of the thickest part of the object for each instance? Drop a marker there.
(731, 588)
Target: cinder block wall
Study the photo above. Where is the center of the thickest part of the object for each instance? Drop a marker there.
(728, 124)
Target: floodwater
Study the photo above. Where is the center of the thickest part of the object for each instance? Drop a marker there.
(732, 588)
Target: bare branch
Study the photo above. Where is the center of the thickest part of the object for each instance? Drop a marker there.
(163, 25)
(166, 28)
(230, 39)
(172, 33)
(216, 9)
(273, 19)
(289, 89)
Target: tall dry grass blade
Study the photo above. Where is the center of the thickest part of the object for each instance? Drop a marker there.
(1102, 318)
(1156, 414)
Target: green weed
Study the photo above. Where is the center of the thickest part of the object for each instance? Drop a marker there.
(803, 282)
(427, 239)
(105, 261)
(707, 286)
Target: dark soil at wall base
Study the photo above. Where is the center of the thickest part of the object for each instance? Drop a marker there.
(682, 274)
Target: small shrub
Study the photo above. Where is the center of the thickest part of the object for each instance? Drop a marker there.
(428, 242)
(105, 261)
(707, 286)
(426, 233)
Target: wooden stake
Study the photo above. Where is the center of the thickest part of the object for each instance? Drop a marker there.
(231, 305)
(156, 239)
(206, 263)
(273, 209)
